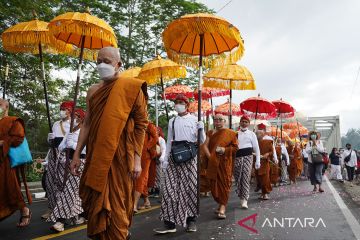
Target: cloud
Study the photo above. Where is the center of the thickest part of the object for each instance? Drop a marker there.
(306, 52)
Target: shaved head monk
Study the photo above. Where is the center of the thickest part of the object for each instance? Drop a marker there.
(113, 132)
(220, 147)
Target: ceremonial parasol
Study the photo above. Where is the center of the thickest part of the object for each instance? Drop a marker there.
(196, 38)
(205, 107)
(158, 71)
(284, 110)
(131, 72)
(258, 108)
(230, 77)
(172, 91)
(225, 109)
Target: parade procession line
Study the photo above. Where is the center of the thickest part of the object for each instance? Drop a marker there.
(353, 223)
(82, 227)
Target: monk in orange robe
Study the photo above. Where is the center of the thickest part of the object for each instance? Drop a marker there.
(220, 148)
(275, 170)
(267, 154)
(12, 134)
(299, 160)
(113, 132)
(295, 157)
(148, 156)
(204, 181)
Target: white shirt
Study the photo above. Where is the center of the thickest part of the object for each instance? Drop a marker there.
(353, 158)
(305, 154)
(308, 148)
(57, 131)
(185, 129)
(63, 146)
(285, 152)
(162, 144)
(248, 139)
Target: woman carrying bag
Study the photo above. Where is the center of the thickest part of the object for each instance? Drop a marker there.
(315, 150)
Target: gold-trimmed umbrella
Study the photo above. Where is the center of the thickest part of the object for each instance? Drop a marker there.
(196, 38)
(84, 31)
(158, 71)
(132, 72)
(34, 37)
(232, 77)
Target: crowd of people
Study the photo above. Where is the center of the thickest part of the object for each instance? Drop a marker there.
(98, 171)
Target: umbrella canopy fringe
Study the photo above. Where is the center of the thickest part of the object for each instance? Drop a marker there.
(153, 76)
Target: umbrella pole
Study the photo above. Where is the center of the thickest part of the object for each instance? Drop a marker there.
(5, 80)
(67, 163)
(156, 106)
(212, 107)
(277, 125)
(230, 121)
(199, 119)
(298, 127)
(164, 97)
(256, 113)
(45, 88)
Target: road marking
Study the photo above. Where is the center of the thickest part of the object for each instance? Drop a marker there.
(82, 227)
(353, 223)
(71, 230)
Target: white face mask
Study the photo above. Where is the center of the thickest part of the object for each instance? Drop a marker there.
(105, 70)
(63, 114)
(180, 108)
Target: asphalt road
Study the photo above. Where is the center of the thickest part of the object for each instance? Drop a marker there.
(293, 212)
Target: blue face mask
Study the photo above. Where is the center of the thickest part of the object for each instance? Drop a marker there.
(313, 137)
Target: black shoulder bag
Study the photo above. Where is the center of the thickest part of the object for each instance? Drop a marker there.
(348, 157)
(182, 151)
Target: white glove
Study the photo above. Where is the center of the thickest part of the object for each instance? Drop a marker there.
(288, 163)
(71, 140)
(276, 161)
(50, 137)
(200, 125)
(257, 165)
(164, 164)
(162, 159)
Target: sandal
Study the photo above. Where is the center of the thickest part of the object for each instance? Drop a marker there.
(221, 215)
(21, 220)
(145, 206)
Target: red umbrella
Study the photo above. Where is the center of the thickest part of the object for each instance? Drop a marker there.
(224, 109)
(258, 108)
(284, 109)
(172, 91)
(208, 92)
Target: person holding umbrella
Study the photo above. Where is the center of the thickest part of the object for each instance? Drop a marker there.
(113, 131)
(59, 130)
(179, 199)
(248, 144)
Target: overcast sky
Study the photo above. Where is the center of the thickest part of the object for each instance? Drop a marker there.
(304, 51)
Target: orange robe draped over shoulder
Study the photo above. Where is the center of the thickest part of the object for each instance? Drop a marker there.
(266, 147)
(295, 161)
(220, 167)
(151, 138)
(12, 133)
(118, 120)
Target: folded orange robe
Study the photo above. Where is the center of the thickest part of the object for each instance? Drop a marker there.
(220, 167)
(118, 120)
(11, 199)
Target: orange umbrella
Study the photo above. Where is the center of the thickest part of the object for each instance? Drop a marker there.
(224, 109)
(298, 132)
(205, 107)
(279, 134)
(292, 125)
(172, 91)
(83, 31)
